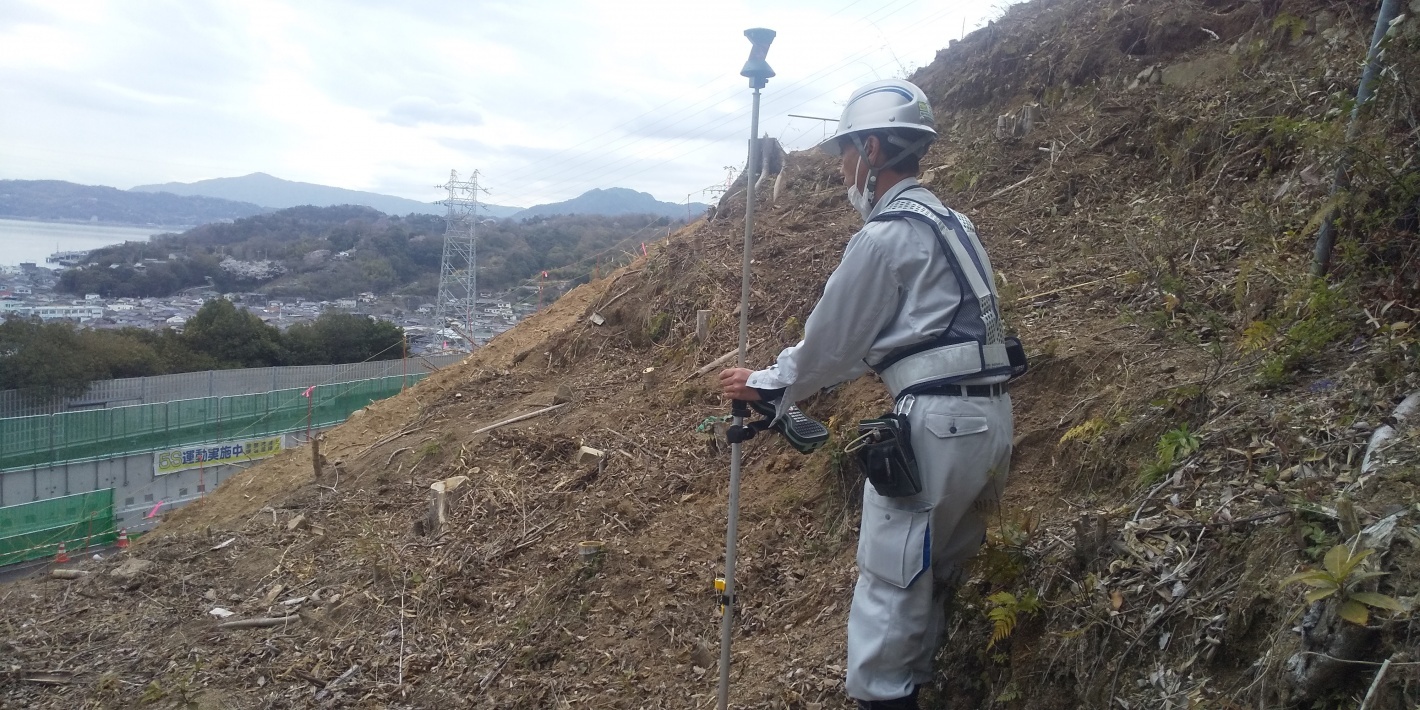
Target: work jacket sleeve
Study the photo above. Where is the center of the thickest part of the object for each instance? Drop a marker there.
(859, 300)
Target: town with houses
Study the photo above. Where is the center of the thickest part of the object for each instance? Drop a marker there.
(31, 290)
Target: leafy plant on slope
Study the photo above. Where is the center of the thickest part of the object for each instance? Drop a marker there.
(1173, 446)
(1339, 576)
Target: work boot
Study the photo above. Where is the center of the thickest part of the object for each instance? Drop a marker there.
(904, 703)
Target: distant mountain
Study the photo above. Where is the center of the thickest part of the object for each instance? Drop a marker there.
(615, 201)
(56, 199)
(273, 192)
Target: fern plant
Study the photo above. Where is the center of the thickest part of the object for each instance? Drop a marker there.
(1257, 335)
(1006, 610)
(1087, 432)
(1174, 445)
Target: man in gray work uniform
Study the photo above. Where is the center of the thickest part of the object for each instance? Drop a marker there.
(914, 299)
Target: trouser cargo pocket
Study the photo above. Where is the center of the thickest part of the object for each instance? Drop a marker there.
(893, 543)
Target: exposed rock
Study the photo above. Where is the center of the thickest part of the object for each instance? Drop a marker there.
(132, 568)
(1329, 643)
(1199, 72)
(589, 456)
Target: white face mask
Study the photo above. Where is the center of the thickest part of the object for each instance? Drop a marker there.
(858, 198)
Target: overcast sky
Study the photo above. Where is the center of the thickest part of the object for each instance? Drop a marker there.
(546, 98)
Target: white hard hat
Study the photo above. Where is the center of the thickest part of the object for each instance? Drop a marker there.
(887, 104)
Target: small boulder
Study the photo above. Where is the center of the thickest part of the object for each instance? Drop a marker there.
(563, 394)
(131, 568)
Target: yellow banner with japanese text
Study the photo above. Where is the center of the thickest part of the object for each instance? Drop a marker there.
(231, 452)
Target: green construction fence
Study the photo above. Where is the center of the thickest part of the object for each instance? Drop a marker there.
(95, 434)
(33, 530)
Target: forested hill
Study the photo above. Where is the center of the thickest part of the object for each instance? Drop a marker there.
(329, 252)
(59, 200)
(616, 201)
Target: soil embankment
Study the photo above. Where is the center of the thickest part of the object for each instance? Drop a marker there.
(1147, 176)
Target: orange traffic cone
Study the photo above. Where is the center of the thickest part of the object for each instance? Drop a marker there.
(61, 555)
(123, 538)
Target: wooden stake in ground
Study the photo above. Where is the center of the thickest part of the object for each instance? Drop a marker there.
(702, 325)
(316, 458)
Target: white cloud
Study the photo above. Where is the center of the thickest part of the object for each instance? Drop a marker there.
(546, 99)
(411, 111)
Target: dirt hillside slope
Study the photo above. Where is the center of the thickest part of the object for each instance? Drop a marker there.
(1191, 433)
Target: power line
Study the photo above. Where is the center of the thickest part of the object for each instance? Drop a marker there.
(620, 164)
(717, 98)
(779, 96)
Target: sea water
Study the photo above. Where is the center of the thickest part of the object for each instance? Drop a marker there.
(23, 241)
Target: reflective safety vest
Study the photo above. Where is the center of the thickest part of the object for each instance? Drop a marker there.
(974, 344)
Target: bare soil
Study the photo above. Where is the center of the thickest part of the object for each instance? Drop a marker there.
(1143, 230)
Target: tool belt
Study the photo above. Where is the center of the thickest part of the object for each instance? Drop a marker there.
(928, 370)
(883, 450)
(966, 390)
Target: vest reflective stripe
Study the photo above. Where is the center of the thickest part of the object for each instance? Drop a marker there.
(955, 354)
(963, 253)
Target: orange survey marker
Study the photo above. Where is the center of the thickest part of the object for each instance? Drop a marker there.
(61, 555)
(123, 538)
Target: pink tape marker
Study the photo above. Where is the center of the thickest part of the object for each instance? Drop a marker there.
(154, 512)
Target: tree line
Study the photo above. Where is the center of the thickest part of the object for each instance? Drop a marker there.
(59, 359)
(334, 252)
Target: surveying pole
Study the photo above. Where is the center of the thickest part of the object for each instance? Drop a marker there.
(758, 72)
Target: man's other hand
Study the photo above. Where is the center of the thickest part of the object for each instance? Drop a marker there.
(732, 385)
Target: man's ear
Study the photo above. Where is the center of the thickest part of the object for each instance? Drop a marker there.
(873, 150)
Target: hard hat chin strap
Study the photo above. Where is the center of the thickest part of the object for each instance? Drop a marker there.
(917, 147)
(870, 188)
(908, 148)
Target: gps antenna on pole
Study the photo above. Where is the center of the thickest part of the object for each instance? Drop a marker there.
(758, 72)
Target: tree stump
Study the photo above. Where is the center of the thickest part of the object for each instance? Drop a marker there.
(442, 497)
(702, 325)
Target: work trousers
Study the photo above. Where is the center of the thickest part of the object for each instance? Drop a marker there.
(911, 550)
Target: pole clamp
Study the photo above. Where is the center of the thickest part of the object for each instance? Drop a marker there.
(743, 430)
(726, 602)
(804, 434)
(737, 434)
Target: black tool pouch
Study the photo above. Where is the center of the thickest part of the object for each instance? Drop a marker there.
(885, 455)
(1016, 355)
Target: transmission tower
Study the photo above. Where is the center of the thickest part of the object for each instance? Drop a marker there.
(458, 272)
